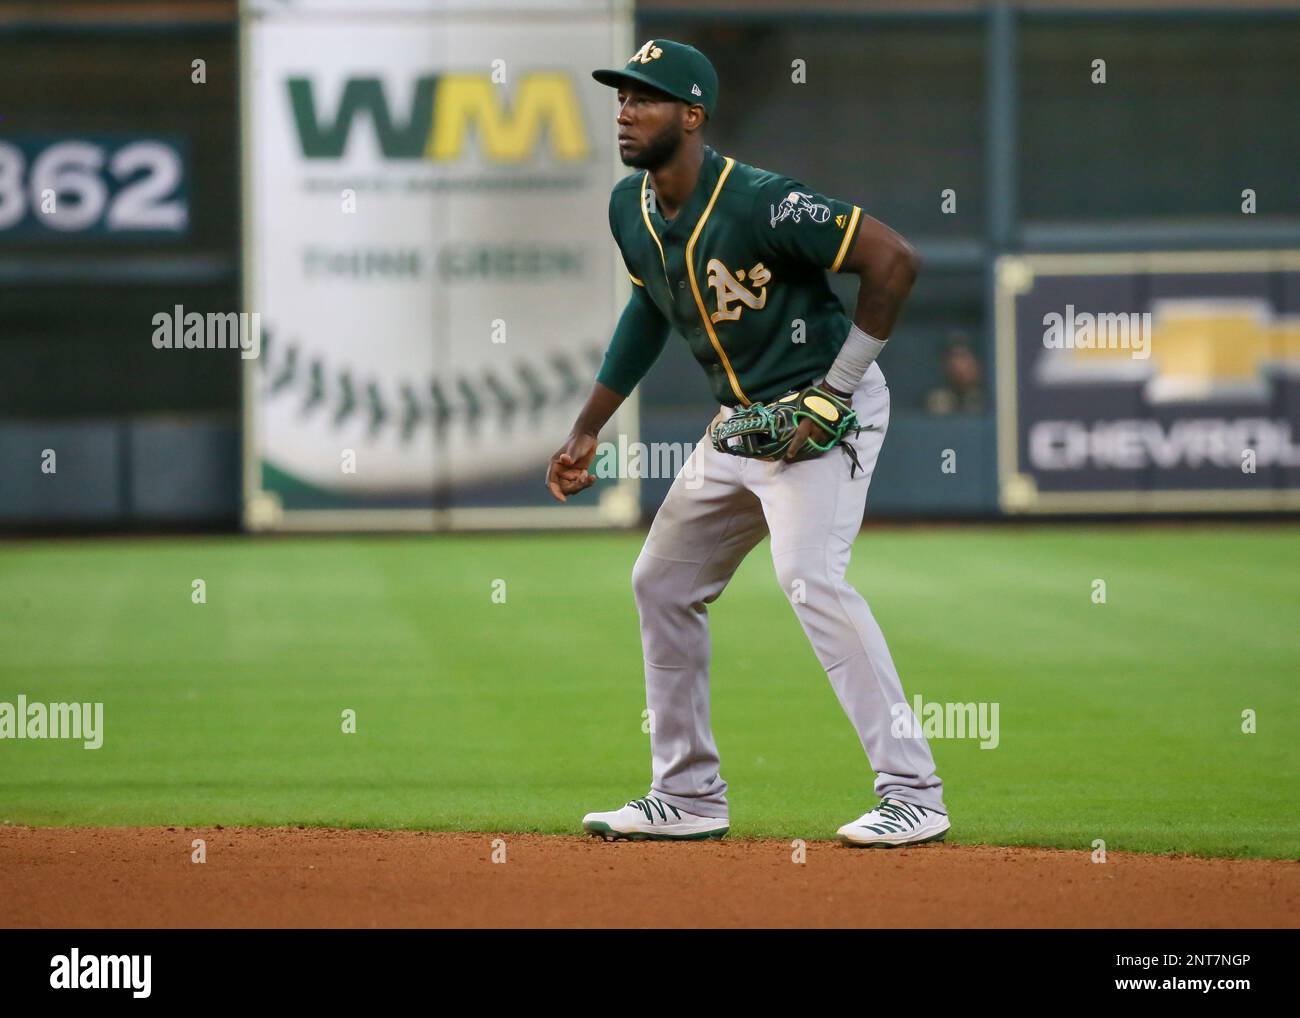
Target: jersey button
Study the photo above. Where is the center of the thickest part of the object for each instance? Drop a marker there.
(681, 284)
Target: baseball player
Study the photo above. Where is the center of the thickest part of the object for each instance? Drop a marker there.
(734, 258)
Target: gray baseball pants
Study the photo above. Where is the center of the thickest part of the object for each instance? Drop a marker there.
(719, 507)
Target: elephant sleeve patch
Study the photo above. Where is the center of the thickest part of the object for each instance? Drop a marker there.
(795, 223)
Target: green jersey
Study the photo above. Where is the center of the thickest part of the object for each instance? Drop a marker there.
(739, 272)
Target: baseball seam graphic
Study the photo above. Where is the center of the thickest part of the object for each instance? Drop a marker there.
(511, 395)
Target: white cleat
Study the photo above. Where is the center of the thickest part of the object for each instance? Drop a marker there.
(893, 824)
(652, 819)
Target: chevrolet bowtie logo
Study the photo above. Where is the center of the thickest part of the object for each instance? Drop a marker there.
(1196, 350)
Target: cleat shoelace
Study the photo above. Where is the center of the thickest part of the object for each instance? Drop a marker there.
(894, 817)
(650, 806)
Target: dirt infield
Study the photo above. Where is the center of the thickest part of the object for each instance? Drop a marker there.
(308, 877)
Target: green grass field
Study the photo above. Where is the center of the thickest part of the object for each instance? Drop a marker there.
(1120, 721)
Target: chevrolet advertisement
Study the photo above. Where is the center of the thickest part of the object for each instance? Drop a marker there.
(1149, 382)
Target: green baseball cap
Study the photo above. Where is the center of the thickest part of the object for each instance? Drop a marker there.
(673, 67)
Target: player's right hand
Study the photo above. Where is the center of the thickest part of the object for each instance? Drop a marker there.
(567, 472)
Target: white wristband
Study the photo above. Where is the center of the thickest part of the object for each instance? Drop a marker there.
(854, 358)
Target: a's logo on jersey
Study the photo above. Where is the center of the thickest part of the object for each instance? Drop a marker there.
(796, 205)
(731, 290)
(646, 53)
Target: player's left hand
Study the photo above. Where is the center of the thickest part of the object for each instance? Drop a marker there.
(809, 428)
(804, 432)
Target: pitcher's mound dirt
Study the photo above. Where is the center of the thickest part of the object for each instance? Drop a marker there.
(306, 877)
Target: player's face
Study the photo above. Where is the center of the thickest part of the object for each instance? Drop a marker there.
(649, 127)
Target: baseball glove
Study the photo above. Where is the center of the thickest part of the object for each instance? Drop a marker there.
(764, 431)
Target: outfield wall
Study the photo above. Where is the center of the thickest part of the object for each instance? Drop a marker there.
(995, 107)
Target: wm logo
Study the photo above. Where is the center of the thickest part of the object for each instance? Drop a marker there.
(445, 110)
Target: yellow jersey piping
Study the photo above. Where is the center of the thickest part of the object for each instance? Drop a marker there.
(695, 289)
(850, 232)
(645, 217)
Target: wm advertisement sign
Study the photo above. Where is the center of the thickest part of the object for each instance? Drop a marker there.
(445, 112)
(429, 252)
(1149, 382)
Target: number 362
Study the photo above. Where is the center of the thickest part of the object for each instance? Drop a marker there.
(79, 185)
